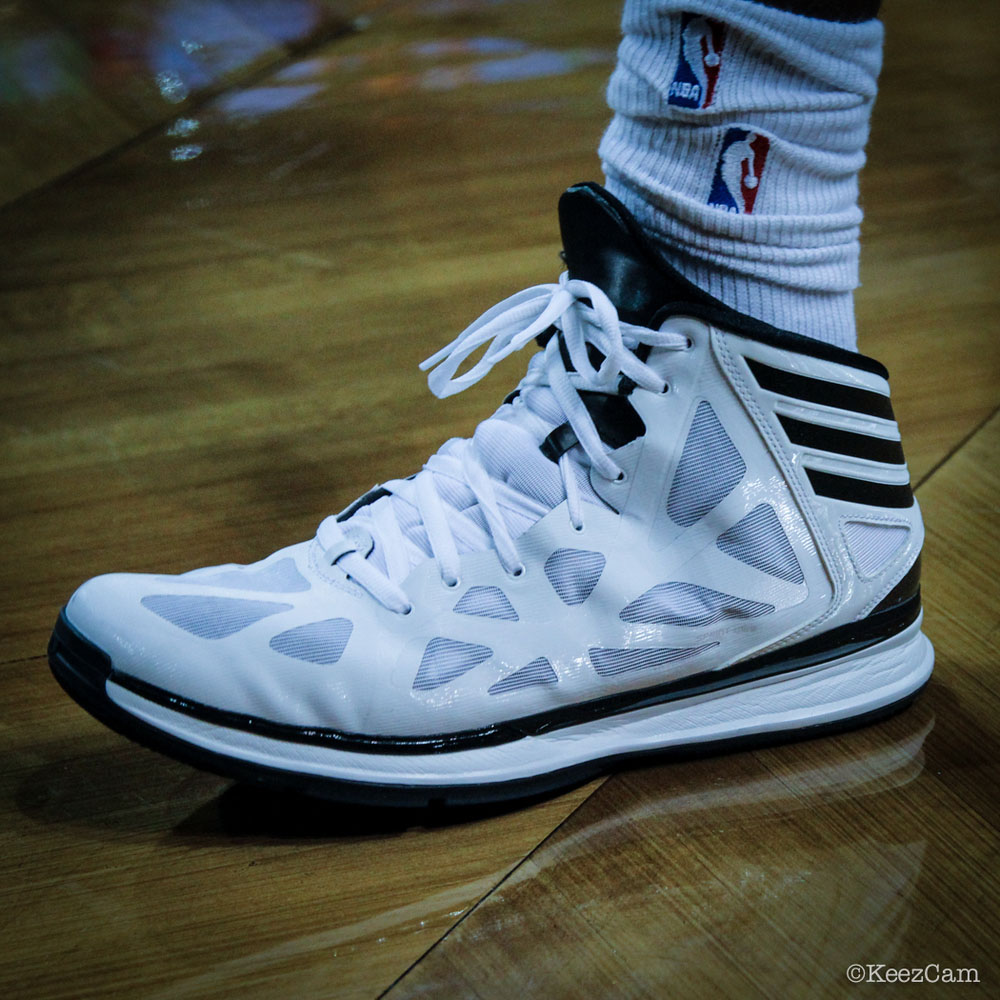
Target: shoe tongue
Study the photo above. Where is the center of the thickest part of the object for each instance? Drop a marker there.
(603, 244)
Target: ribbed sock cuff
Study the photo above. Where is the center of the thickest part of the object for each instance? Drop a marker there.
(738, 134)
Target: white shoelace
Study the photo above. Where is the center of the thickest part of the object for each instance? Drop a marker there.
(584, 315)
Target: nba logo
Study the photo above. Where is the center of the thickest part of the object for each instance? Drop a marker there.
(702, 41)
(738, 170)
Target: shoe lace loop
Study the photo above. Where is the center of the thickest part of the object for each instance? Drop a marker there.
(583, 317)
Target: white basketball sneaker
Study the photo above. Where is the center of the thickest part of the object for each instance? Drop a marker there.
(685, 529)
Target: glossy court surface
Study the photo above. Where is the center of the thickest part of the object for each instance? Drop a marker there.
(230, 232)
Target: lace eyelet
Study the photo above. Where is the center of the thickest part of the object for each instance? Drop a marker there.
(621, 477)
(408, 611)
(519, 572)
(665, 389)
(578, 528)
(452, 585)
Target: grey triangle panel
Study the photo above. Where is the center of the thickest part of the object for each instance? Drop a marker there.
(538, 671)
(445, 660)
(709, 469)
(760, 541)
(574, 573)
(690, 605)
(486, 602)
(316, 642)
(210, 617)
(610, 662)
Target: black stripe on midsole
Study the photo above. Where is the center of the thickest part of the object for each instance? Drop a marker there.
(817, 390)
(831, 645)
(842, 442)
(826, 484)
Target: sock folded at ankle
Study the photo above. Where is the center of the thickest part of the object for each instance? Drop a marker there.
(738, 134)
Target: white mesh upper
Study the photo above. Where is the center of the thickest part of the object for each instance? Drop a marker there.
(873, 545)
(508, 445)
(280, 577)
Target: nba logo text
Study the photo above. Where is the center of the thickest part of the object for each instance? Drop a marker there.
(699, 62)
(738, 171)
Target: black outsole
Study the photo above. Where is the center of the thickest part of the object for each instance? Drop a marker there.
(82, 670)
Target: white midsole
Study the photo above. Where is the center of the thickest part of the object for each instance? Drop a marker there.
(840, 689)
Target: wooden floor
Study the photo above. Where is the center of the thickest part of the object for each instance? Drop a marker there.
(210, 335)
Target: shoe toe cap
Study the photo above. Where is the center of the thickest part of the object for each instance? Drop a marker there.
(101, 610)
(215, 647)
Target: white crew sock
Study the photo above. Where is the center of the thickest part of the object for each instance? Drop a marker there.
(738, 134)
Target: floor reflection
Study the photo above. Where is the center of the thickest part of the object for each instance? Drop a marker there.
(756, 874)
